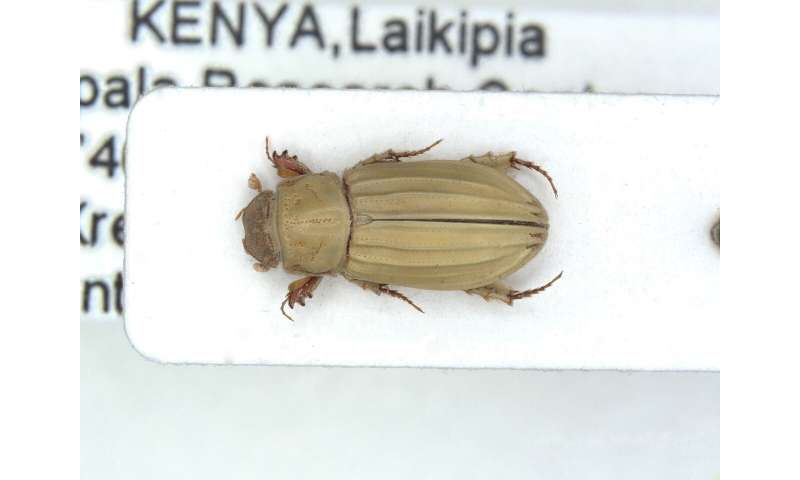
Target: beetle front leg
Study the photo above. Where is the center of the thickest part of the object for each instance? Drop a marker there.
(504, 161)
(379, 288)
(287, 165)
(392, 156)
(504, 293)
(299, 291)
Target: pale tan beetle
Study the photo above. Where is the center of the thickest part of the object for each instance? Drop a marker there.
(432, 224)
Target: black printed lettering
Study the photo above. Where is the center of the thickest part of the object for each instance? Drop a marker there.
(312, 30)
(89, 90)
(105, 156)
(355, 43)
(269, 23)
(395, 37)
(480, 33)
(438, 36)
(218, 77)
(144, 19)
(235, 29)
(533, 41)
(181, 18)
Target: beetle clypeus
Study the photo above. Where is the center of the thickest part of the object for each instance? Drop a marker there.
(432, 224)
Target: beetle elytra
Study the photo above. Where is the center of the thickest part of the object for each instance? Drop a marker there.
(430, 224)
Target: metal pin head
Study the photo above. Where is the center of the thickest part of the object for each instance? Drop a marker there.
(715, 233)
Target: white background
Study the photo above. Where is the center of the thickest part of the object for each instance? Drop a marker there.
(142, 419)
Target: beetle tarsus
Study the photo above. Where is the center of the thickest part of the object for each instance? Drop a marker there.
(504, 161)
(392, 156)
(287, 165)
(394, 293)
(525, 163)
(500, 291)
(299, 291)
(379, 288)
(283, 304)
(516, 295)
(414, 153)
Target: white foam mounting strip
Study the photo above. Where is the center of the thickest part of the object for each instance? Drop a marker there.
(639, 191)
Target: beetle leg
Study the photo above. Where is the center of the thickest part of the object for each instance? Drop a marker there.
(392, 156)
(504, 161)
(504, 293)
(287, 165)
(299, 291)
(495, 291)
(498, 161)
(516, 161)
(379, 288)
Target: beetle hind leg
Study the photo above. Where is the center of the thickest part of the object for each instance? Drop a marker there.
(504, 161)
(381, 288)
(495, 291)
(504, 293)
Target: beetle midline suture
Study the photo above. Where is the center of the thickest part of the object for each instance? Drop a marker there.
(468, 229)
(465, 220)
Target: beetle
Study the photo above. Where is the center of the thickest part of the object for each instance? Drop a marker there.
(430, 224)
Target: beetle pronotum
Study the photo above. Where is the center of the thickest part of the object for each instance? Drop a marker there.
(431, 224)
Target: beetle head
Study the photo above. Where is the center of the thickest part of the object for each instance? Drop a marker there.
(260, 240)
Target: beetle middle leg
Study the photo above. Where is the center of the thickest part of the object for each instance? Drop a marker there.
(504, 293)
(379, 288)
(392, 156)
(504, 161)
